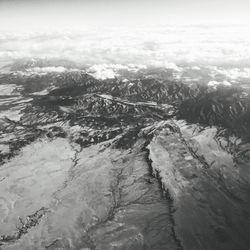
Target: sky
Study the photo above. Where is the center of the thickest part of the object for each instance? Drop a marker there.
(80, 14)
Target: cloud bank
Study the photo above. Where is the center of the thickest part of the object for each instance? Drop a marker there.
(161, 45)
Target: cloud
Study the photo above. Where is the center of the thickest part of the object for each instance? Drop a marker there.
(163, 46)
(214, 84)
(102, 72)
(230, 73)
(46, 69)
(110, 71)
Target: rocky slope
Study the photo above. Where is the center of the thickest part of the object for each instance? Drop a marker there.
(126, 163)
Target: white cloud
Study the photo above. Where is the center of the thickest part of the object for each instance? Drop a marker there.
(195, 44)
(47, 69)
(214, 84)
(102, 72)
(172, 66)
(110, 71)
(230, 73)
(195, 68)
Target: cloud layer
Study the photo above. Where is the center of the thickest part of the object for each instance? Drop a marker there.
(150, 45)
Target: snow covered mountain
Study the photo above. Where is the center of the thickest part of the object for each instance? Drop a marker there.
(139, 160)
